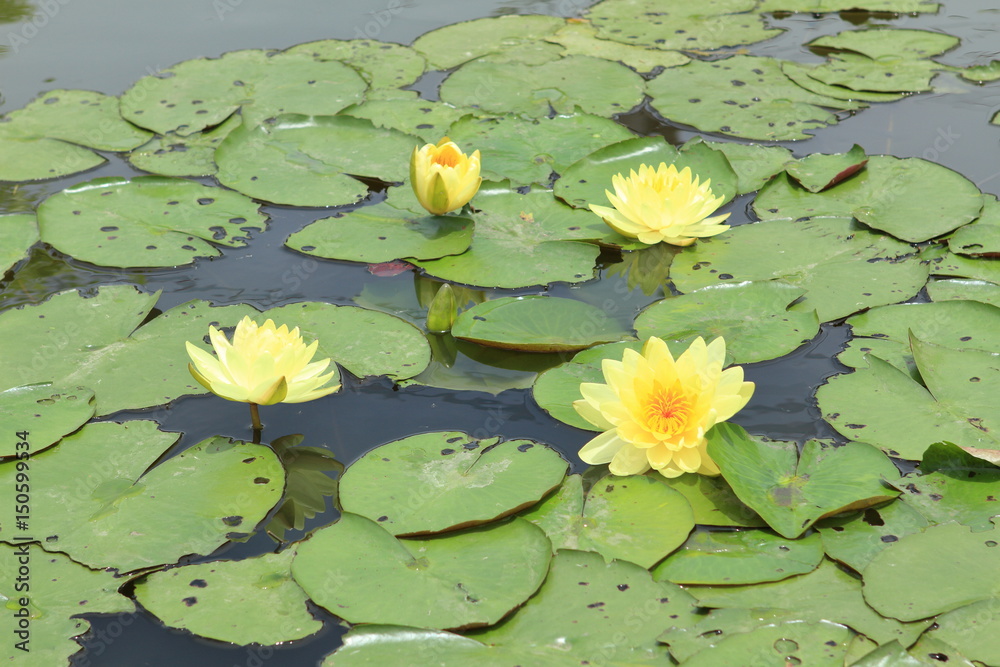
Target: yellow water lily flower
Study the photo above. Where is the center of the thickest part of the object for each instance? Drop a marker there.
(662, 204)
(263, 365)
(655, 410)
(443, 177)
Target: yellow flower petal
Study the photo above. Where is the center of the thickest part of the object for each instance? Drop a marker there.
(443, 177)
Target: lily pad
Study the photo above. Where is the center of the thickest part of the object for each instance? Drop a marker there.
(754, 164)
(421, 118)
(895, 75)
(452, 45)
(944, 567)
(595, 85)
(981, 237)
(381, 64)
(792, 491)
(819, 644)
(119, 515)
(841, 267)
(889, 43)
(189, 155)
(949, 289)
(824, 6)
(304, 160)
(636, 518)
(382, 233)
(817, 172)
(18, 232)
(60, 591)
(944, 263)
(741, 557)
(357, 569)
(582, 39)
(537, 323)
(911, 198)
(751, 316)
(434, 482)
(714, 502)
(801, 74)
(222, 600)
(855, 539)
(146, 221)
(40, 414)
(49, 138)
(974, 629)
(203, 92)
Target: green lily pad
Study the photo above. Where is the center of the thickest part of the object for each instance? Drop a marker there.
(97, 342)
(455, 44)
(912, 199)
(895, 75)
(817, 172)
(790, 491)
(190, 155)
(886, 407)
(301, 160)
(715, 626)
(974, 628)
(841, 267)
(421, 118)
(382, 233)
(944, 263)
(950, 289)
(18, 232)
(741, 96)
(222, 600)
(824, 6)
(714, 502)
(537, 323)
(741, 557)
(889, 43)
(118, 515)
(528, 151)
(636, 518)
(943, 568)
(365, 575)
(981, 74)
(41, 414)
(827, 593)
(203, 92)
(111, 221)
(434, 482)
(819, 644)
(801, 74)
(581, 39)
(595, 85)
(981, 237)
(381, 64)
(751, 316)
(60, 590)
(855, 539)
(684, 26)
(891, 654)
(754, 164)
(49, 138)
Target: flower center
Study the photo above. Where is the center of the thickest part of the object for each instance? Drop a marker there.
(668, 410)
(447, 157)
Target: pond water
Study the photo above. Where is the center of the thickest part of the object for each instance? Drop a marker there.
(106, 45)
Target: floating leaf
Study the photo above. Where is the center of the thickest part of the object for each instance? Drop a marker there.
(203, 92)
(595, 85)
(889, 43)
(941, 289)
(823, 6)
(981, 237)
(434, 482)
(792, 491)
(466, 579)
(301, 160)
(537, 323)
(817, 172)
(421, 118)
(58, 592)
(715, 626)
(754, 165)
(176, 155)
(974, 628)
(382, 233)
(714, 502)
(582, 39)
(891, 654)
(751, 316)
(944, 263)
(18, 233)
(982, 74)
(910, 198)
(43, 414)
(819, 644)
(381, 64)
(118, 515)
(841, 267)
(452, 45)
(146, 221)
(849, 99)
(854, 540)
(222, 600)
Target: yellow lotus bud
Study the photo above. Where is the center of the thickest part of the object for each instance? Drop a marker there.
(443, 177)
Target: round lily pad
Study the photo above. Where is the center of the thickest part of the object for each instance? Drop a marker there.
(40, 414)
(455, 44)
(381, 64)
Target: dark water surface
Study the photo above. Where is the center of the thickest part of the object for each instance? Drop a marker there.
(106, 45)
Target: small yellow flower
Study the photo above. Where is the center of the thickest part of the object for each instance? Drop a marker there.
(443, 177)
(263, 365)
(662, 205)
(655, 410)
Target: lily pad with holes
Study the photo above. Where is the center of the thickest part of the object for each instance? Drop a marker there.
(884, 406)
(18, 232)
(981, 237)
(896, 75)
(40, 414)
(753, 317)
(201, 93)
(910, 198)
(445, 480)
(595, 85)
(527, 151)
(59, 591)
(455, 44)
(381, 64)
(819, 643)
(850, 100)
(537, 323)
(974, 628)
(582, 39)
(818, 172)
(189, 155)
(841, 267)
(715, 626)
(886, 43)
(741, 96)
(97, 342)
(824, 6)
(945, 567)
(944, 263)
(421, 118)
(382, 233)
(855, 539)
(635, 518)
(742, 557)
(465, 579)
(791, 491)
(310, 160)
(754, 164)
(222, 599)
(714, 502)
(146, 221)
(120, 513)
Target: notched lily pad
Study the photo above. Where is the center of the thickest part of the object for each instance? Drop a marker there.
(175, 155)
(817, 172)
